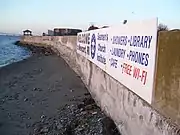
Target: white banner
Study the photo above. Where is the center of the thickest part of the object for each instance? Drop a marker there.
(126, 52)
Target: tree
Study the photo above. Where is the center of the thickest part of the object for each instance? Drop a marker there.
(125, 21)
(162, 27)
(43, 34)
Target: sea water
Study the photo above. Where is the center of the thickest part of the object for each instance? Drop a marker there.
(9, 52)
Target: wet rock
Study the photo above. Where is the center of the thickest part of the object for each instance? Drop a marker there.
(3, 100)
(87, 94)
(43, 116)
(81, 106)
(62, 120)
(109, 128)
(94, 113)
(36, 130)
(51, 90)
(34, 89)
(39, 89)
(28, 125)
(76, 119)
(71, 90)
(59, 126)
(44, 130)
(25, 99)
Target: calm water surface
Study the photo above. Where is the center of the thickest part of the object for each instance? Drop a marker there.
(9, 52)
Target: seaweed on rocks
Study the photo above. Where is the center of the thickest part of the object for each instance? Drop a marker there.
(76, 119)
(36, 49)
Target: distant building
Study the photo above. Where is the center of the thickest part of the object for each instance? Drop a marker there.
(50, 33)
(27, 33)
(66, 32)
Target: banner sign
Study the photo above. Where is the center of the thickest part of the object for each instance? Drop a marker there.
(126, 52)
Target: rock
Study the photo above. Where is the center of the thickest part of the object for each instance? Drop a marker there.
(62, 120)
(9, 114)
(59, 126)
(39, 89)
(26, 99)
(80, 129)
(94, 113)
(71, 90)
(83, 113)
(90, 107)
(27, 125)
(82, 109)
(51, 90)
(109, 127)
(46, 53)
(71, 120)
(99, 119)
(88, 101)
(44, 130)
(16, 96)
(42, 116)
(3, 100)
(86, 94)
(43, 120)
(34, 89)
(36, 130)
(81, 106)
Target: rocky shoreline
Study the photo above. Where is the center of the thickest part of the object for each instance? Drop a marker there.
(42, 95)
(77, 119)
(36, 49)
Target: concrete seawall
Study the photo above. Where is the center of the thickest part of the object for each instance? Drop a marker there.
(132, 115)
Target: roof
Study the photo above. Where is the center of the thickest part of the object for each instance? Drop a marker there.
(27, 31)
(66, 29)
(105, 26)
(92, 27)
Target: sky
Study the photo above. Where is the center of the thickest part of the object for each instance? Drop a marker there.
(41, 15)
